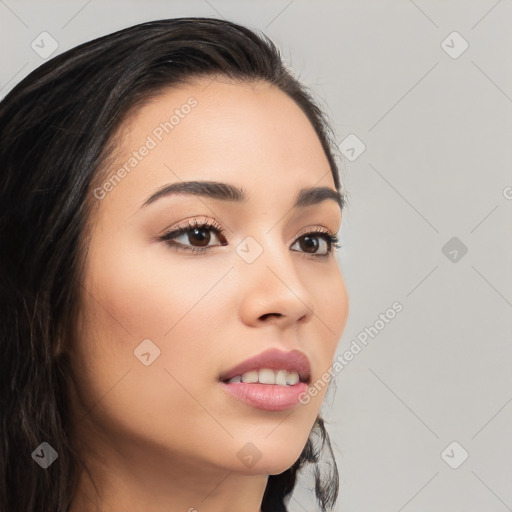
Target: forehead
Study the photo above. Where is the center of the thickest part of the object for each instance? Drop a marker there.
(248, 134)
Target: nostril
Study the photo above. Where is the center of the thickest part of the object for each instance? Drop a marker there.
(265, 316)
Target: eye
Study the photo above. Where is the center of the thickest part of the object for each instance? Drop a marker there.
(310, 245)
(195, 233)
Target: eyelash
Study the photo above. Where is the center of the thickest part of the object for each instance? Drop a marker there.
(329, 236)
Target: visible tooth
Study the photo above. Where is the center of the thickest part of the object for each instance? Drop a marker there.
(281, 377)
(293, 378)
(267, 376)
(250, 377)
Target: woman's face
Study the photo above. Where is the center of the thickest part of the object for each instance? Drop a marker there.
(159, 323)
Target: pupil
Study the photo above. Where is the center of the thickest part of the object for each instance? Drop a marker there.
(201, 238)
(310, 242)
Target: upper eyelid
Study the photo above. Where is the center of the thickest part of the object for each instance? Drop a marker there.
(194, 223)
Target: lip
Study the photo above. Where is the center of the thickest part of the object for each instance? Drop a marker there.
(269, 397)
(274, 359)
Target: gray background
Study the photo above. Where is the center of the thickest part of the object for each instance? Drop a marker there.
(436, 165)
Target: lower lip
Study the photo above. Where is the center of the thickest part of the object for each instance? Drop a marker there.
(270, 397)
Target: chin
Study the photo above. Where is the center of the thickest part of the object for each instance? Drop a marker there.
(273, 461)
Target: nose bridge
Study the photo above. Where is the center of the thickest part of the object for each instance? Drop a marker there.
(272, 286)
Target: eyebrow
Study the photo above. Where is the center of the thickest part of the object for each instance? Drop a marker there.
(227, 192)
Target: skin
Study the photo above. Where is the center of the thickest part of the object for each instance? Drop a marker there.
(165, 437)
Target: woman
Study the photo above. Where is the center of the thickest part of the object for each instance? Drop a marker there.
(169, 290)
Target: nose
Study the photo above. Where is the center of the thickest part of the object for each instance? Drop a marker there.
(273, 291)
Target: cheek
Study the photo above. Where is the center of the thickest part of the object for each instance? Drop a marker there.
(339, 305)
(149, 291)
(177, 305)
(332, 313)
(331, 304)
(176, 302)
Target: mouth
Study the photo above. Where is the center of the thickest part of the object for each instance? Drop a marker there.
(272, 380)
(272, 366)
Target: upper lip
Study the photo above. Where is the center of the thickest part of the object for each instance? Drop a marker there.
(274, 359)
